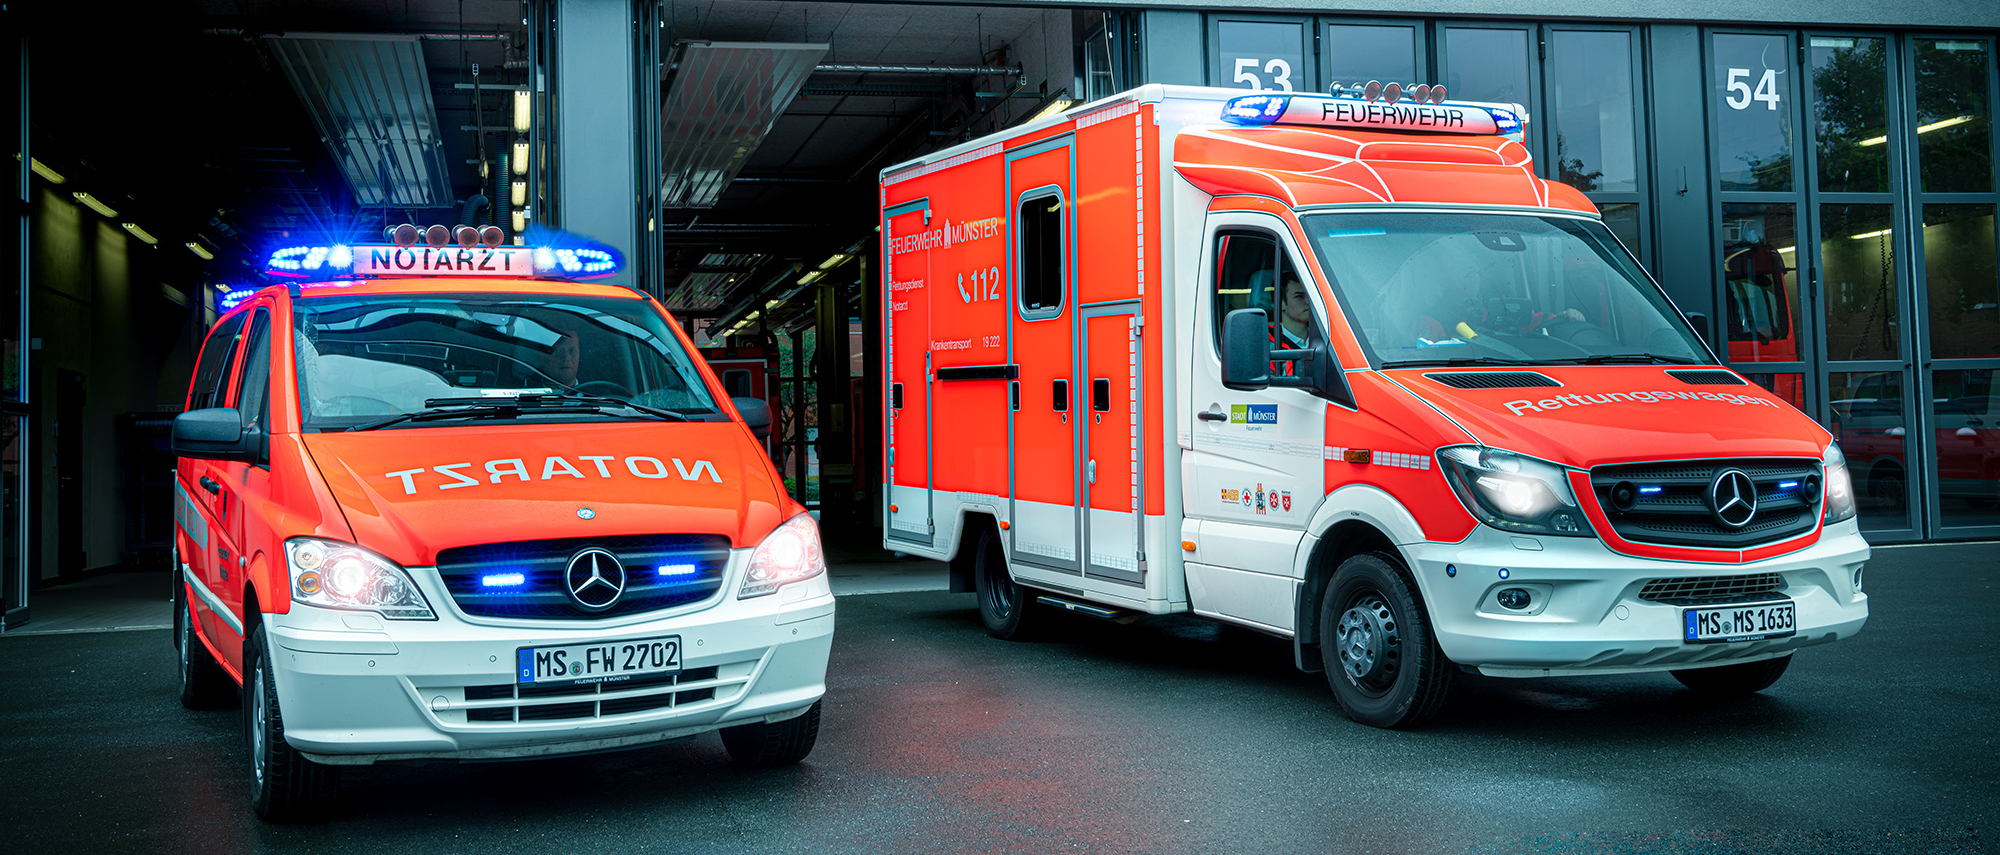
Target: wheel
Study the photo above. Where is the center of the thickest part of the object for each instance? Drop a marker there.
(1742, 678)
(1004, 607)
(1887, 488)
(204, 685)
(773, 743)
(1376, 644)
(284, 785)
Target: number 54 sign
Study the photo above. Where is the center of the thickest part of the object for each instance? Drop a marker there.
(1740, 94)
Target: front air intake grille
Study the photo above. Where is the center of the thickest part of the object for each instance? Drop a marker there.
(526, 579)
(1707, 378)
(510, 703)
(1670, 501)
(1700, 590)
(1492, 379)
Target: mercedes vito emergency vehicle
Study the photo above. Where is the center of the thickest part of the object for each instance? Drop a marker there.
(436, 500)
(1338, 368)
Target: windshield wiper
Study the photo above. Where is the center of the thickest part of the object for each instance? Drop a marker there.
(1456, 360)
(452, 408)
(1625, 358)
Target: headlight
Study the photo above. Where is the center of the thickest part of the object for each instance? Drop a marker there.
(1839, 487)
(790, 553)
(1512, 492)
(335, 575)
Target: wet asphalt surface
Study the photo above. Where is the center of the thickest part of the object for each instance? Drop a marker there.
(1173, 735)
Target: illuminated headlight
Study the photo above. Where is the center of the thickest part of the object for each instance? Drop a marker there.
(789, 554)
(1512, 492)
(1839, 486)
(335, 575)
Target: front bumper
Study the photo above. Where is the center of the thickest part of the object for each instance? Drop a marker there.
(356, 689)
(1587, 617)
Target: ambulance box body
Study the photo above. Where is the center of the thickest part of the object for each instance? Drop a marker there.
(430, 506)
(1345, 371)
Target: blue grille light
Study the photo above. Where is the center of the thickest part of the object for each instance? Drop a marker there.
(678, 569)
(1788, 485)
(1650, 490)
(503, 580)
(1254, 110)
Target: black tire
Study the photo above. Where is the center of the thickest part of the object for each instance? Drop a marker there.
(204, 685)
(1743, 678)
(1007, 609)
(767, 744)
(1376, 644)
(284, 785)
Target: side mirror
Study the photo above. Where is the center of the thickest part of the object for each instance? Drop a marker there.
(756, 413)
(1246, 350)
(215, 434)
(1700, 322)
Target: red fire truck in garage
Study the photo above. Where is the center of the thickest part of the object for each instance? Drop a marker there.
(1339, 368)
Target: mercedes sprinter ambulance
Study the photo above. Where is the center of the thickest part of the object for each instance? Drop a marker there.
(1340, 368)
(438, 500)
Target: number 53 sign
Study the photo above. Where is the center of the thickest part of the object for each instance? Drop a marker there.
(1278, 70)
(1740, 94)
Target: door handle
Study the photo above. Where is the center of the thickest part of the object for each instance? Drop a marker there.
(1093, 470)
(210, 484)
(1212, 416)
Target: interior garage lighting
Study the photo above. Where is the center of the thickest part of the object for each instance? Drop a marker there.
(833, 260)
(524, 105)
(517, 192)
(1051, 108)
(810, 278)
(44, 171)
(520, 162)
(93, 203)
(1866, 235)
(1923, 129)
(520, 221)
(140, 233)
(198, 250)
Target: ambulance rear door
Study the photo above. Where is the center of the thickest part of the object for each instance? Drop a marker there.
(906, 340)
(1047, 477)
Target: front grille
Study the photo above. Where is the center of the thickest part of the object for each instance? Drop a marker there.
(1671, 504)
(1699, 590)
(510, 703)
(1492, 379)
(661, 572)
(1707, 378)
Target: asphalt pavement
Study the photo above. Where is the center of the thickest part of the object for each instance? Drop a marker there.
(1170, 735)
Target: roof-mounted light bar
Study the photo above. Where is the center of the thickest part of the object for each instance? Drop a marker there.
(442, 251)
(1379, 107)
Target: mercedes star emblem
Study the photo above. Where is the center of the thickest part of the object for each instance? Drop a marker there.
(1732, 498)
(595, 579)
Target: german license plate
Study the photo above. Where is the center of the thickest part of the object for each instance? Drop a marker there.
(1739, 623)
(609, 662)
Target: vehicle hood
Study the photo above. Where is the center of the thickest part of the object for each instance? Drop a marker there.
(409, 493)
(1621, 414)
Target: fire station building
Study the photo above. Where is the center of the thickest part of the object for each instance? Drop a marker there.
(1814, 183)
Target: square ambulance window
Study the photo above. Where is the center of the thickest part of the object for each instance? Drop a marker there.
(1250, 272)
(1042, 250)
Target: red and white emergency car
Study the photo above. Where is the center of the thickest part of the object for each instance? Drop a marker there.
(1342, 369)
(437, 501)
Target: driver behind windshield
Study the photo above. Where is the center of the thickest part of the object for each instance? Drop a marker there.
(1458, 308)
(562, 362)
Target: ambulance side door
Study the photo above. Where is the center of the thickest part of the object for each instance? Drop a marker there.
(246, 487)
(1254, 470)
(199, 499)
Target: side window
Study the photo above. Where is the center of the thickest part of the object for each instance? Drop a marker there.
(1252, 271)
(254, 381)
(1043, 248)
(213, 368)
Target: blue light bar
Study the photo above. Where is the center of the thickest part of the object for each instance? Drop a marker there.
(310, 260)
(678, 569)
(503, 580)
(1650, 490)
(1254, 110)
(1347, 111)
(1788, 485)
(234, 297)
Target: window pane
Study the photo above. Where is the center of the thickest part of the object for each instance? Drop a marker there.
(1261, 55)
(1851, 113)
(1041, 255)
(1790, 387)
(1960, 281)
(1591, 85)
(1360, 53)
(1760, 282)
(1249, 270)
(1858, 264)
(1868, 419)
(1487, 65)
(1967, 416)
(1751, 85)
(1953, 120)
(1623, 220)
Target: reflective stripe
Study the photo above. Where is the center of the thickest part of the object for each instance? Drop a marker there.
(208, 597)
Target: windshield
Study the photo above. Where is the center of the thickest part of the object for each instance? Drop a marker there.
(1438, 288)
(362, 359)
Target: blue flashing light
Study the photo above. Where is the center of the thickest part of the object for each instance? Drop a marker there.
(1255, 110)
(572, 256)
(678, 569)
(1505, 121)
(234, 297)
(1788, 485)
(1503, 573)
(503, 580)
(308, 260)
(1647, 491)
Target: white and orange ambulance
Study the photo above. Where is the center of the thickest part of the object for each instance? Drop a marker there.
(1338, 368)
(435, 500)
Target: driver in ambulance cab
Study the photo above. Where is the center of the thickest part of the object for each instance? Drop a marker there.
(1456, 309)
(1294, 329)
(564, 358)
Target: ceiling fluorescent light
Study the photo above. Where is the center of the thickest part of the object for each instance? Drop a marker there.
(1955, 120)
(524, 105)
(140, 233)
(1875, 140)
(198, 250)
(1866, 235)
(1055, 106)
(810, 278)
(95, 205)
(833, 261)
(44, 171)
